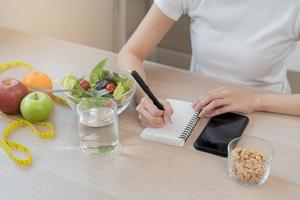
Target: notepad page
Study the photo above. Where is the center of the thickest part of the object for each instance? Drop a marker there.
(171, 132)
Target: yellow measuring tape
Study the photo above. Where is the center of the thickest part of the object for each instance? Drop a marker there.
(8, 65)
(7, 145)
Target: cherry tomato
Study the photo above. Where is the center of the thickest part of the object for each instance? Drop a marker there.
(110, 87)
(111, 104)
(85, 84)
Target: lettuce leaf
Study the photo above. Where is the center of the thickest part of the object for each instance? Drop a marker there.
(98, 73)
(127, 84)
(119, 90)
(78, 93)
(69, 81)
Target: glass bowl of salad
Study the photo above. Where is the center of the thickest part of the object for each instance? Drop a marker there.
(87, 82)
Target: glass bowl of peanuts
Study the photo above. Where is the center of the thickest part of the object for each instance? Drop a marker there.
(249, 160)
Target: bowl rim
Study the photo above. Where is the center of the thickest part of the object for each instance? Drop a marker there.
(257, 138)
(97, 97)
(132, 89)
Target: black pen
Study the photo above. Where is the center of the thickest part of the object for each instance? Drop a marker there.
(147, 90)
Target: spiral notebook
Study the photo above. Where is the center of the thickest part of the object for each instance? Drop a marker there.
(184, 120)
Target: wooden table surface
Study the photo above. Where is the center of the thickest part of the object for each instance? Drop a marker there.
(142, 169)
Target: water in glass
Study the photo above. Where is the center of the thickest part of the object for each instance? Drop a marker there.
(98, 131)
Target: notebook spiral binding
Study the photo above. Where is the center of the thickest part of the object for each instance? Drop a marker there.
(189, 127)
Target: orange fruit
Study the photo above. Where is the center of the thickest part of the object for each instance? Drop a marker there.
(36, 79)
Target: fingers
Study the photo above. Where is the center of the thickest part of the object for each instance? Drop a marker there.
(147, 119)
(219, 93)
(168, 112)
(150, 107)
(214, 105)
(224, 100)
(197, 107)
(220, 111)
(196, 102)
(215, 94)
(151, 116)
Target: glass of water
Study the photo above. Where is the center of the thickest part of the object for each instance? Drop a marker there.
(98, 126)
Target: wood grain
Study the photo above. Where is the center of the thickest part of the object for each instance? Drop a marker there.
(142, 169)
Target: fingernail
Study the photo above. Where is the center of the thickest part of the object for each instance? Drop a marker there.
(169, 121)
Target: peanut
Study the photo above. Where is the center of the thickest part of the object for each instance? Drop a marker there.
(248, 165)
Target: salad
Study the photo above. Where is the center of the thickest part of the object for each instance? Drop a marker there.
(111, 84)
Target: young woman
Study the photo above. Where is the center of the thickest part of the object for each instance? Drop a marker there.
(246, 41)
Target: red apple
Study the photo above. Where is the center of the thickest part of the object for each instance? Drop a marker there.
(12, 92)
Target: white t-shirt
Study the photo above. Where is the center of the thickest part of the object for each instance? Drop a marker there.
(246, 41)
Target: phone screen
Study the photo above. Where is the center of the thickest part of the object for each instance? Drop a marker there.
(219, 131)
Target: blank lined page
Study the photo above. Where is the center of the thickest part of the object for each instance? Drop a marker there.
(171, 132)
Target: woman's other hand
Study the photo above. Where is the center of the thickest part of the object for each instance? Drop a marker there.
(223, 100)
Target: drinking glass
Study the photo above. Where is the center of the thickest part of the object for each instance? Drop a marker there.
(249, 160)
(98, 126)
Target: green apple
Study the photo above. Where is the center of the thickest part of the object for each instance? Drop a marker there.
(36, 107)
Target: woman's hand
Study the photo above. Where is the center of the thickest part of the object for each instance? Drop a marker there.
(151, 116)
(223, 100)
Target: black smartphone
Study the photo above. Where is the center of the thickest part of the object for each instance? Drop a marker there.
(219, 131)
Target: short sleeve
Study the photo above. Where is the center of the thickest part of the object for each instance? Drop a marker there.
(174, 9)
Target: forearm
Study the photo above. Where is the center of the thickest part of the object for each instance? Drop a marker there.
(151, 30)
(128, 61)
(288, 104)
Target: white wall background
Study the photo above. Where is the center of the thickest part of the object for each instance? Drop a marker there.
(93, 23)
(89, 22)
